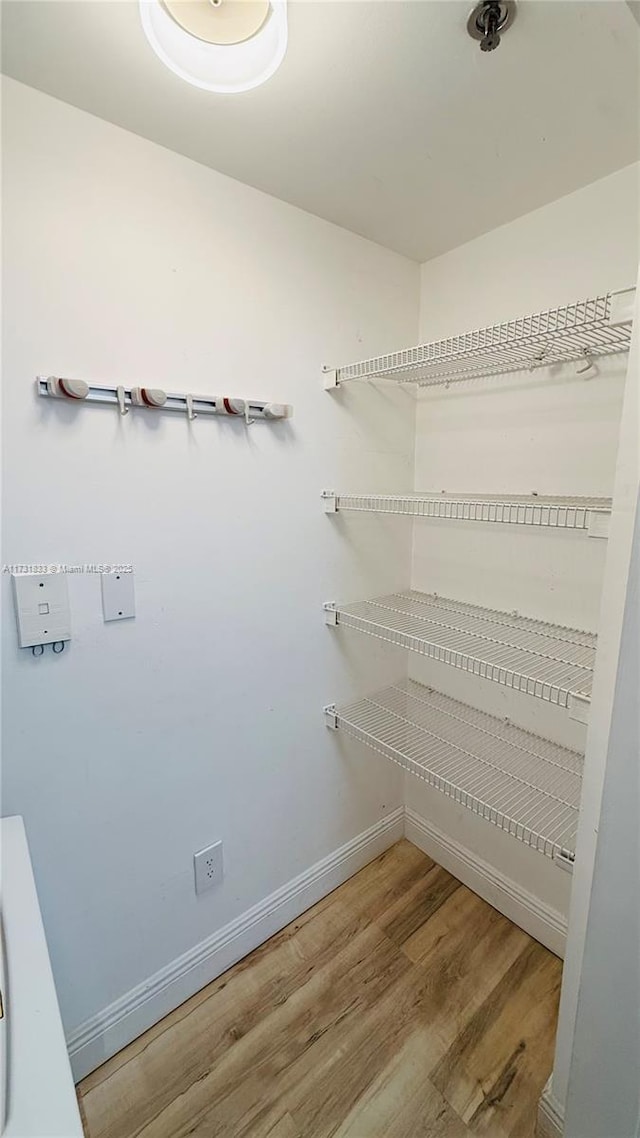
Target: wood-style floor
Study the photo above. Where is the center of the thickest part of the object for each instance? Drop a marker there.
(401, 1006)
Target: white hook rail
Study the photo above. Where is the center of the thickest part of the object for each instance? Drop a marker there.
(155, 399)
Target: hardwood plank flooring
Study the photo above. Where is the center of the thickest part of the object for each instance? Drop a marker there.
(401, 1006)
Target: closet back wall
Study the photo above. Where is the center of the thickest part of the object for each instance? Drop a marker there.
(557, 434)
(554, 433)
(202, 718)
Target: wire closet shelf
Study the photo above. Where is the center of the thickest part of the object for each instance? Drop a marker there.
(525, 785)
(548, 661)
(555, 512)
(582, 331)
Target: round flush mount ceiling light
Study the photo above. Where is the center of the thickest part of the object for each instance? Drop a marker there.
(220, 45)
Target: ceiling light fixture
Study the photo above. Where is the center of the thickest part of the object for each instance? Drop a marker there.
(220, 45)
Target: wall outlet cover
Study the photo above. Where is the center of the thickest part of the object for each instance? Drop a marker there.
(208, 867)
(118, 596)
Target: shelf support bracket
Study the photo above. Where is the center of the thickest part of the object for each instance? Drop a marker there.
(599, 523)
(565, 860)
(331, 716)
(330, 613)
(579, 707)
(622, 306)
(330, 501)
(329, 378)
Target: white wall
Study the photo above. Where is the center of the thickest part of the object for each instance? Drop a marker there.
(202, 718)
(553, 434)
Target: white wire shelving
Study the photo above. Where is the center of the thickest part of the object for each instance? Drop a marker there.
(548, 661)
(583, 331)
(554, 512)
(525, 785)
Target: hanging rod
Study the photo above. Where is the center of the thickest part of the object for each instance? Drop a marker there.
(579, 332)
(154, 398)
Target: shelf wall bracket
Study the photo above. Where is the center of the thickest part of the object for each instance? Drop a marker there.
(330, 501)
(579, 707)
(599, 524)
(330, 613)
(329, 378)
(564, 860)
(331, 716)
(622, 306)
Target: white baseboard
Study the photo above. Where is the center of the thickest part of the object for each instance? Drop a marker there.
(550, 1123)
(539, 920)
(100, 1037)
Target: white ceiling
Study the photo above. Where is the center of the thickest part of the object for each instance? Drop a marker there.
(384, 117)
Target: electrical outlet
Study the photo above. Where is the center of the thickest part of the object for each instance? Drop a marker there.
(207, 865)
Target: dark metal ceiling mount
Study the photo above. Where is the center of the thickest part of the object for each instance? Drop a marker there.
(489, 20)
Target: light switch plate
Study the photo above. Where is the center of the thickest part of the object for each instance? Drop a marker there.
(118, 596)
(42, 608)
